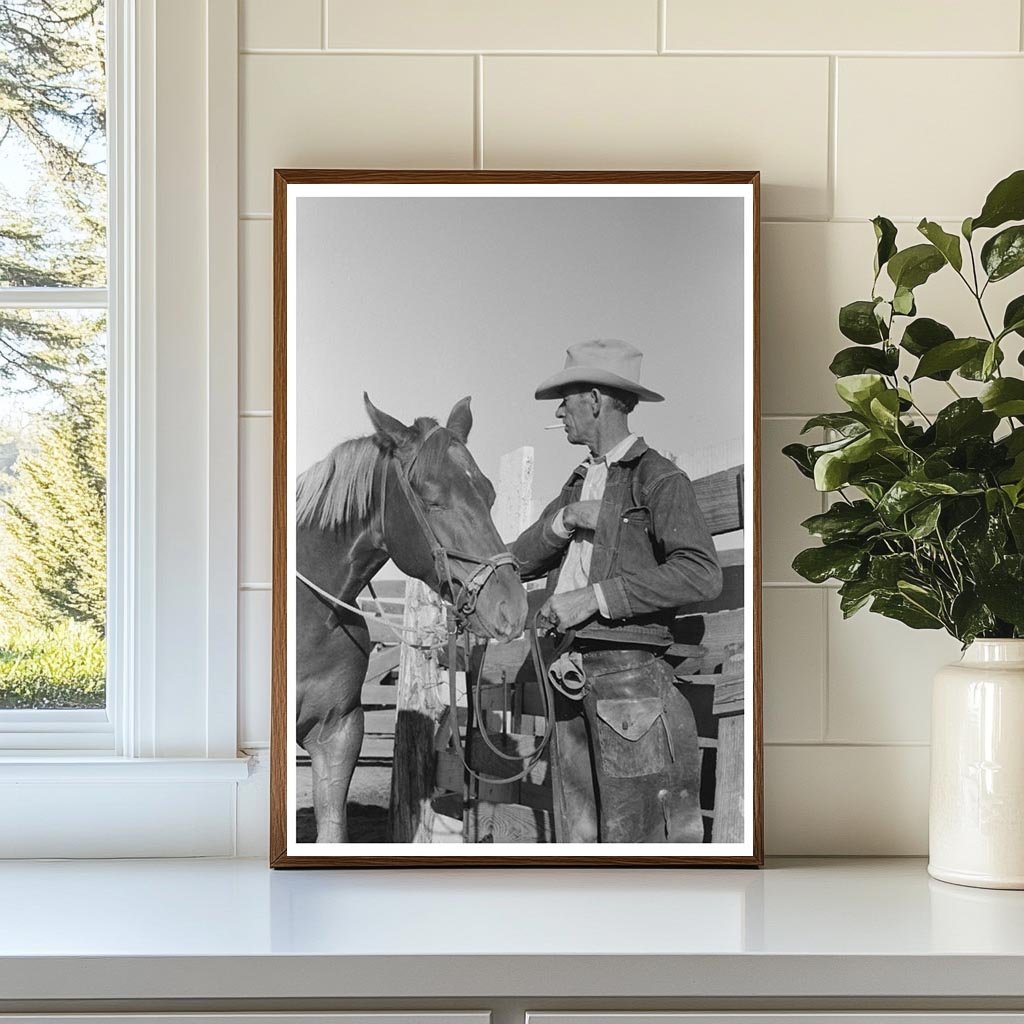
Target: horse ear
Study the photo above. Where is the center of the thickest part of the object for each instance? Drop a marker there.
(460, 419)
(389, 433)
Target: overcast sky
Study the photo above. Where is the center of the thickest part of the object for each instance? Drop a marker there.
(420, 301)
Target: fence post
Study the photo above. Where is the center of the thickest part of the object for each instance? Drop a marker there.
(419, 706)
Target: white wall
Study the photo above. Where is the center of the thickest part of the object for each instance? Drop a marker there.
(906, 109)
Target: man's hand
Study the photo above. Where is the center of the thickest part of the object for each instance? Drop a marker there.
(581, 515)
(563, 611)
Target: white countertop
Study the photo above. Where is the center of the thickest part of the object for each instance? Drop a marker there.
(235, 929)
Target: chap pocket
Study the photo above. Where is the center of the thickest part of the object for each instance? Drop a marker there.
(631, 736)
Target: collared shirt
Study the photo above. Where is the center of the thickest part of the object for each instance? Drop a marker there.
(575, 572)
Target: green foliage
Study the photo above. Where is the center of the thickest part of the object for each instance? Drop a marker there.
(52, 125)
(62, 667)
(53, 521)
(927, 526)
(52, 466)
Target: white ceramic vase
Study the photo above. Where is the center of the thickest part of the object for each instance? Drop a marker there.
(976, 815)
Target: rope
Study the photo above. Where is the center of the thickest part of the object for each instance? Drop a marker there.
(399, 631)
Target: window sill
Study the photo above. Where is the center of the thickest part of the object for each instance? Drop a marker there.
(78, 767)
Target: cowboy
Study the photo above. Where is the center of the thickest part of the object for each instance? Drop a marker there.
(624, 545)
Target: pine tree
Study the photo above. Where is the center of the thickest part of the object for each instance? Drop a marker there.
(53, 519)
(53, 122)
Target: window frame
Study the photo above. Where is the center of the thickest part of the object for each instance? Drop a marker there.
(170, 746)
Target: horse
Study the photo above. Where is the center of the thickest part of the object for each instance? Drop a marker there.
(413, 494)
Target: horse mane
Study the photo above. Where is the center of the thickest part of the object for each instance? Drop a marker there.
(338, 490)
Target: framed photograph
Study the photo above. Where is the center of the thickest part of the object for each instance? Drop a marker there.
(516, 608)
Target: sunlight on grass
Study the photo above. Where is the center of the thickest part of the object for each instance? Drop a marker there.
(60, 667)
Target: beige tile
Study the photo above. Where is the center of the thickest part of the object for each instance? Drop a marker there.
(255, 508)
(501, 25)
(357, 111)
(787, 498)
(964, 131)
(254, 610)
(871, 25)
(255, 319)
(272, 24)
(793, 635)
(823, 800)
(808, 271)
(649, 112)
(880, 676)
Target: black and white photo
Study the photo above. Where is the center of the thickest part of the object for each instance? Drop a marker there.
(516, 562)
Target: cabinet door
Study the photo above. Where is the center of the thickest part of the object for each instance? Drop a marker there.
(786, 1017)
(359, 1017)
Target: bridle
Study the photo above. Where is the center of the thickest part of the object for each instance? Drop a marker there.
(460, 603)
(464, 601)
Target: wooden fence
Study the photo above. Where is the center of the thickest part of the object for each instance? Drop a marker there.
(432, 797)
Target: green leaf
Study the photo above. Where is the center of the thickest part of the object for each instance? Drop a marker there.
(990, 361)
(858, 389)
(831, 471)
(842, 521)
(1005, 202)
(885, 409)
(947, 244)
(912, 267)
(923, 335)
(840, 561)
(965, 229)
(897, 607)
(850, 361)
(854, 594)
(1003, 254)
(949, 355)
(885, 237)
(1013, 317)
(906, 494)
(903, 302)
(857, 321)
(1004, 397)
(799, 455)
(974, 368)
(970, 617)
(925, 518)
(886, 571)
(966, 417)
(841, 421)
(1005, 596)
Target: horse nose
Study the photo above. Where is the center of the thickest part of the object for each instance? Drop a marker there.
(510, 623)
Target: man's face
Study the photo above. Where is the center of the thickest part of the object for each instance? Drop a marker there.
(577, 411)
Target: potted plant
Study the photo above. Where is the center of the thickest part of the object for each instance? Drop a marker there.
(927, 521)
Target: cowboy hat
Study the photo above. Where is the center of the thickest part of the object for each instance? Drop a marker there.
(615, 364)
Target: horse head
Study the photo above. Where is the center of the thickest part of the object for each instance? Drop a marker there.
(437, 522)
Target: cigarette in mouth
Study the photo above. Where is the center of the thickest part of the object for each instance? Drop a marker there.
(553, 426)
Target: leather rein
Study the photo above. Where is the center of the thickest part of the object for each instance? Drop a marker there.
(459, 605)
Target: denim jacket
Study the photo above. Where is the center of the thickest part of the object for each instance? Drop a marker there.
(652, 549)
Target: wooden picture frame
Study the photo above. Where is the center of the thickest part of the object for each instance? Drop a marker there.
(717, 649)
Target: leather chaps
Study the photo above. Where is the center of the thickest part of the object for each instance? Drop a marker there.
(625, 759)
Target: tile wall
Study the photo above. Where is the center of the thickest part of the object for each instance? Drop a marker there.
(906, 109)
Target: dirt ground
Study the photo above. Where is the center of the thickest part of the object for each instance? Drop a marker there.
(368, 800)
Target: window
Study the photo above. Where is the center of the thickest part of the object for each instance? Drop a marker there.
(53, 369)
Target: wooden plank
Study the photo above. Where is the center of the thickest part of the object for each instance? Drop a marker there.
(732, 595)
(512, 823)
(379, 694)
(382, 663)
(419, 708)
(720, 497)
(728, 826)
(392, 589)
(512, 504)
(729, 697)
